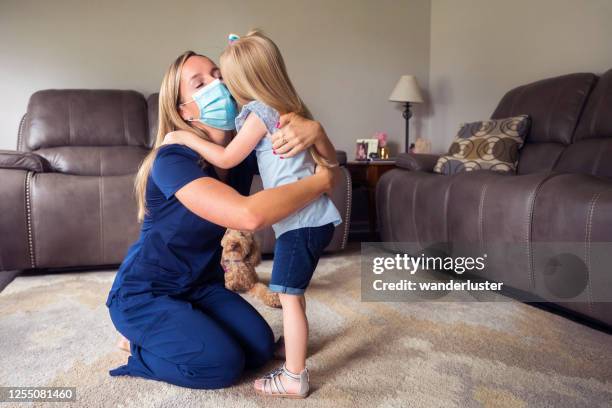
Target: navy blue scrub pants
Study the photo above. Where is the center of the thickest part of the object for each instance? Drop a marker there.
(202, 341)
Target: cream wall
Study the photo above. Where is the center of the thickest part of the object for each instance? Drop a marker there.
(482, 48)
(343, 55)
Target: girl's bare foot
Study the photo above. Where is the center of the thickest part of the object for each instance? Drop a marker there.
(124, 344)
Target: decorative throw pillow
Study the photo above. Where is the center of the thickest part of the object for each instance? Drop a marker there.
(487, 145)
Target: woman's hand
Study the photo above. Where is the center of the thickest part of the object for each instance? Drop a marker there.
(296, 134)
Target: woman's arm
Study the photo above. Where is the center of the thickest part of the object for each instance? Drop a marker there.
(219, 203)
(223, 157)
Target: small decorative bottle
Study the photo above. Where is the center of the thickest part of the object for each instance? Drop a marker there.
(383, 150)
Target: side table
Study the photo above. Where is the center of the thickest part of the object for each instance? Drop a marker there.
(365, 174)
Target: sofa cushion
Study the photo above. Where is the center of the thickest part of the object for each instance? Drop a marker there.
(78, 117)
(486, 145)
(81, 220)
(596, 120)
(152, 114)
(554, 106)
(489, 214)
(592, 147)
(411, 207)
(590, 156)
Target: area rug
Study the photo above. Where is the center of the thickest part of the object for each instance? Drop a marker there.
(55, 331)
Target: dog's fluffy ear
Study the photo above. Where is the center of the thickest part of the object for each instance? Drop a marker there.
(245, 243)
(226, 237)
(254, 256)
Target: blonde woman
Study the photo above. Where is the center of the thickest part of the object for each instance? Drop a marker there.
(254, 71)
(168, 298)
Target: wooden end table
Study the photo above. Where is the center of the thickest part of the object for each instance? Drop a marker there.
(366, 174)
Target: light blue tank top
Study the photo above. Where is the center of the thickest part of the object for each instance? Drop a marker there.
(275, 171)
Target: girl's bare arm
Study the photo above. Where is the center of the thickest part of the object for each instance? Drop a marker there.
(223, 157)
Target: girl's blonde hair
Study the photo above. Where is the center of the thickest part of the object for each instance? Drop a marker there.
(253, 68)
(168, 120)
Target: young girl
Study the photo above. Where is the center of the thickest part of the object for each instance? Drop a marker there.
(255, 74)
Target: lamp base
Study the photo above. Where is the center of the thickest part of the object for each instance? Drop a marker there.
(407, 115)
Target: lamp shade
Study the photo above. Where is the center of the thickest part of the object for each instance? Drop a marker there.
(406, 90)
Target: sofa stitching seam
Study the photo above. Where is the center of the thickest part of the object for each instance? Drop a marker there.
(587, 247)
(69, 120)
(529, 234)
(101, 197)
(28, 189)
(416, 229)
(20, 133)
(347, 220)
(483, 193)
(446, 204)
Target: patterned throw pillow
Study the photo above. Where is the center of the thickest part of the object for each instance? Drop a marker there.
(488, 145)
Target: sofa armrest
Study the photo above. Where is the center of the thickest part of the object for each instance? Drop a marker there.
(11, 159)
(417, 161)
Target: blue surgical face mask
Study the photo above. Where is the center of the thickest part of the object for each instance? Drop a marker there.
(217, 107)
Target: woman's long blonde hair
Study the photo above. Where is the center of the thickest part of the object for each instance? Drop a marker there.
(169, 120)
(253, 68)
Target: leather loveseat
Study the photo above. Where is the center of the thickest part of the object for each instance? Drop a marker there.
(559, 204)
(66, 193)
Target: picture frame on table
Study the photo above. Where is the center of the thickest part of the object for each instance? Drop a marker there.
(365, 148)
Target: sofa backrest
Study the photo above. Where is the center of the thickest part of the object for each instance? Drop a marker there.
(153, 114)
(591, 150)
(554, 105)
(87, 132)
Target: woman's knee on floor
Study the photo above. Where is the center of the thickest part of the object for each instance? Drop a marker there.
(258, 343)
(261, 350)
(222, 371)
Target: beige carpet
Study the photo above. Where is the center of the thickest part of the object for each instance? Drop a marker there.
(55, 330)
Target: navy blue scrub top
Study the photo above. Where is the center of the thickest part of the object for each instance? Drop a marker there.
(176, 250)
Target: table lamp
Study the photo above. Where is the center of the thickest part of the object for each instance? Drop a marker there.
(407, 91)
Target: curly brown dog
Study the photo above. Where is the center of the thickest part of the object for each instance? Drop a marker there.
(240, 256)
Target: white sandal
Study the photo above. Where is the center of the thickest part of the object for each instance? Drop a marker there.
(273, 386)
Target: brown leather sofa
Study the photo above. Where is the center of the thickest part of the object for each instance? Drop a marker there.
(67, 192)
(559, 203)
